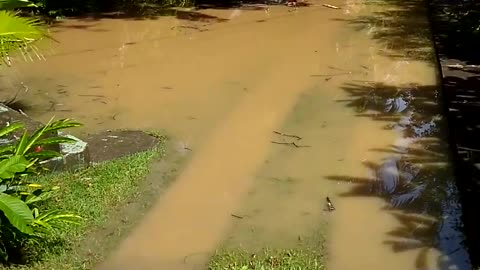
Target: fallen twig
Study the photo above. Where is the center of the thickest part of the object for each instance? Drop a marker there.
(287, 135)
(330, 6)
(22, 112)
(291, 143)
(330, 206)
(236, 216)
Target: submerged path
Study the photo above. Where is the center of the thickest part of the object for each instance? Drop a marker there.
(221, 81)
(193, 216)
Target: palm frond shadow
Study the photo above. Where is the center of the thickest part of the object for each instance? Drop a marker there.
(391, 26)
(415, 178)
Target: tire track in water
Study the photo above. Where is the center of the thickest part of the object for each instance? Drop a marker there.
(192, 217)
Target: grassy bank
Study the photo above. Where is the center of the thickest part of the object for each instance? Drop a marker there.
(268, 259)
(110, 197)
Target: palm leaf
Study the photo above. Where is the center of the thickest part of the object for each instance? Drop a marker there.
(54, 219)
(11, 166)
(51, 126)
(13, 4)
(11, 128)
(43, 155)
(21, 147)
(61, 124)
(18, 33)
(6, 149)
(17, 212)
(53, 140)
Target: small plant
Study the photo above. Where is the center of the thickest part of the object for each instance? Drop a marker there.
(23, 219)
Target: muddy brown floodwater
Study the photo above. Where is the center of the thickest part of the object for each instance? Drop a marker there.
(221, 81)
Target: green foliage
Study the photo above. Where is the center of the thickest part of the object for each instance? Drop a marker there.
(78, 7)
(18, 33)
(13, 4)
(23, 217)
(17, 212)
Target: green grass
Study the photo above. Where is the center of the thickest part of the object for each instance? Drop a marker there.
(102, 195)
(268, 259)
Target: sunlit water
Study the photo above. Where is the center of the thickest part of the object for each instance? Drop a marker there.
(364, 108)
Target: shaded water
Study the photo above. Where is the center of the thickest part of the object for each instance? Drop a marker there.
(356, 84)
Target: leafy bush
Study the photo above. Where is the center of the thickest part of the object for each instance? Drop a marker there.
(24, 220)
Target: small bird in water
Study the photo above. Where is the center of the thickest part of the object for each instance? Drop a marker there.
(330, 206)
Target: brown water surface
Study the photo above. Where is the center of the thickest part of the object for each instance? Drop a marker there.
(363, 101)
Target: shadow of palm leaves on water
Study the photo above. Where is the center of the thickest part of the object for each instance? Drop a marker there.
(400, 26)
(415, 178)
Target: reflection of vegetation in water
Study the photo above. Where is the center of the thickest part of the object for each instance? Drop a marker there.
(399, 26)
(457, 26)
(266, 260)
(416, 178)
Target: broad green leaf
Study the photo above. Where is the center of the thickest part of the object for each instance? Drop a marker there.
(11, 166)
(11, 128)
(17, 212)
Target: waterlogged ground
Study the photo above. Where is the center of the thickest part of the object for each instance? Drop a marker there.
(356, 87)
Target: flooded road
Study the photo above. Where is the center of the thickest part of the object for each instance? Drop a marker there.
(358, 97)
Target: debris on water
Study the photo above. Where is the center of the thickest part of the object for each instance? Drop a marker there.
(330, 6)
(330, 206)
(287, 135)
(292, 144)
(236, 216)
(98, 96)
